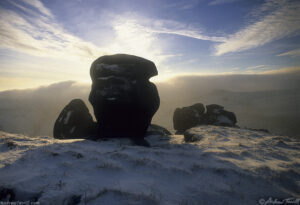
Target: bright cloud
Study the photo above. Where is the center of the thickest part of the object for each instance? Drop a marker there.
(138, 35)
(41, 36)
(162, 26)
(293, 53)
(35, 31)
(36, 47)
(282, 22)
(40, 7)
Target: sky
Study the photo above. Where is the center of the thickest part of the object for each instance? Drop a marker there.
(48, 41)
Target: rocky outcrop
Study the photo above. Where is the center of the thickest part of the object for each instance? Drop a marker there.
(74, 122)
(191, 116)
(187, 117)
(123, 99)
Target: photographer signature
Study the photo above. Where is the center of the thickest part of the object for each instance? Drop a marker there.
(287, 201)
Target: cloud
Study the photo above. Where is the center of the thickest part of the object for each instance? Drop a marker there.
(35, 31)
(138, 35)
(190, 34)
(40, 35)
(40, 7)
(34, 111)
(293, 53)
(182, 5)
(218, 2)
(162, 26)
(30, 28)
(283, 21)
(257, 67)
(289, 70)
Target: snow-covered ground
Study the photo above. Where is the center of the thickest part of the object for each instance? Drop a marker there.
(226, 166)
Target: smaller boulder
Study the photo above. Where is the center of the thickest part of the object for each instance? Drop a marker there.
(74, 122)
(187, 117)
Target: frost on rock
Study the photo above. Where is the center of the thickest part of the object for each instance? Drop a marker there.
(110, 67)
(223, 120)
(123, 99)
(66, 120)
(187, 117)
(227, 166)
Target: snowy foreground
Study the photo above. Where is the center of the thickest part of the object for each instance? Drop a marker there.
(227, 166)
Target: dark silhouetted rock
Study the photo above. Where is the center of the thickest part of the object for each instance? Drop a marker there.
(187, 117)
(226, 118)
(123, 99)
(214, 108)
(123, 65)
(74, 122)
(7, 195)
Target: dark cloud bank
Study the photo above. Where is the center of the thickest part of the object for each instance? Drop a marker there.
(260, 101)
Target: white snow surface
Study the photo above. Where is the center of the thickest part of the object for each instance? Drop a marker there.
(224, 120)
(227, 166)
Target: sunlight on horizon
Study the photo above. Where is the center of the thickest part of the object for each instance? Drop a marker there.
(42, 43)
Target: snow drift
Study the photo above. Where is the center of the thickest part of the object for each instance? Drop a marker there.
(226, 166)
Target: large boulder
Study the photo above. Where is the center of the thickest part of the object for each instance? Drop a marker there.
(123, 99)
(74, 122)
(188, 117)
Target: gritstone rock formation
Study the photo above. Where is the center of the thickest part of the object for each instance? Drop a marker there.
(123, 99)
(188, 117)
(74, 122)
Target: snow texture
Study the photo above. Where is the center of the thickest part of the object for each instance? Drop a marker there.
(66, 120)
(112, 67)
(224, 120)
(227, 166)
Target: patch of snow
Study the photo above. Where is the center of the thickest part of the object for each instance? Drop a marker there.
(72, 129)
(111, 67)
(227, 166)
(216, 111)
(66, 120)
(224, 120)
(105, 78)
(111, 99)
